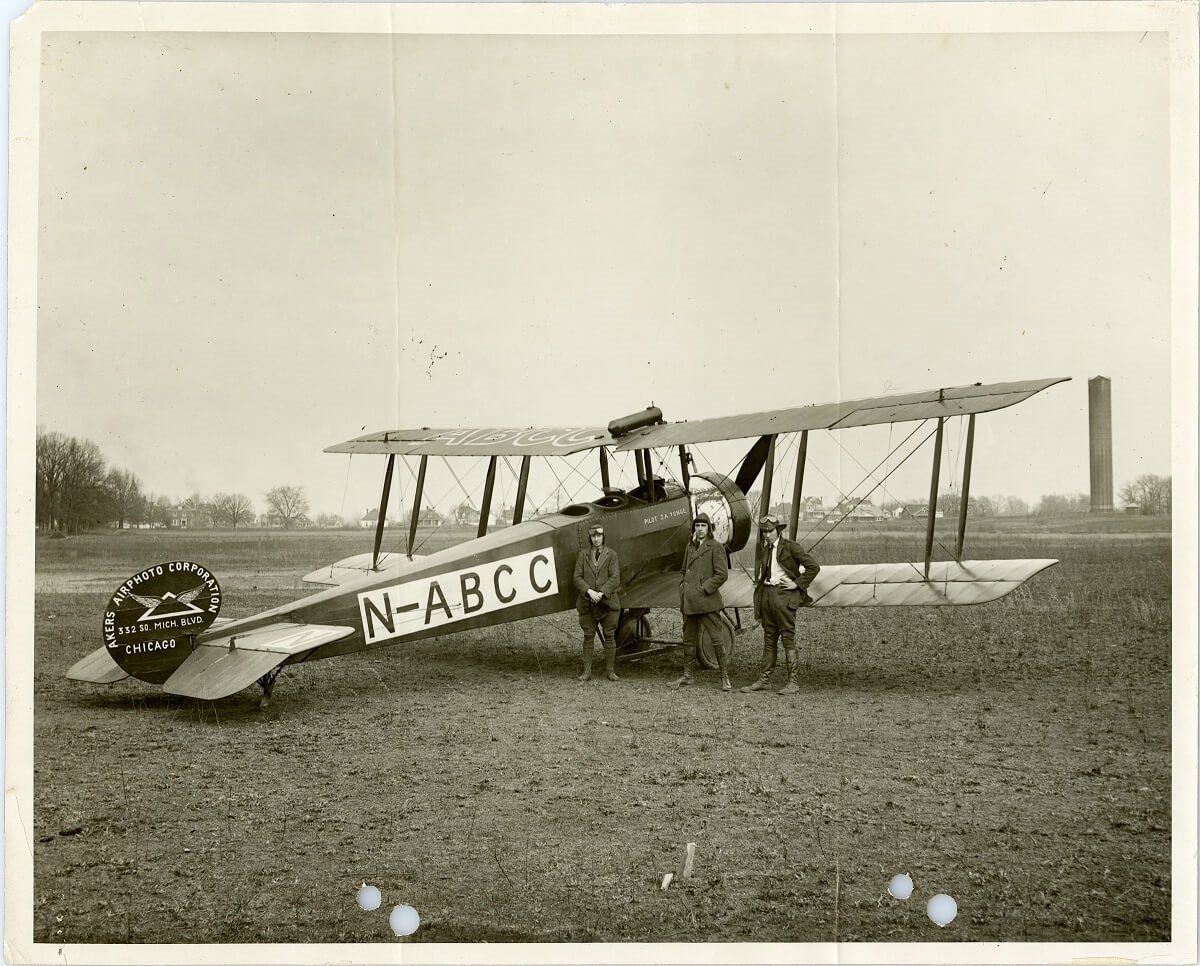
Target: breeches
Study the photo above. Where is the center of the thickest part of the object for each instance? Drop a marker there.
(692, 624)
(779, 608)
(607, 623)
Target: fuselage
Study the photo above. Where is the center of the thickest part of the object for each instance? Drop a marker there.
(519, 572)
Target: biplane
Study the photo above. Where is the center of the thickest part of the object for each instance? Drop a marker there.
(161, 625)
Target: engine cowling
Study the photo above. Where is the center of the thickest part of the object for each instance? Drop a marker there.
(727, 507)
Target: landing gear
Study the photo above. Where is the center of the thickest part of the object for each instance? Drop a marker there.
(633, 628)
(635, 638)
(267, 683)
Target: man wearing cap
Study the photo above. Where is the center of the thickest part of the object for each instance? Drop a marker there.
(597, 576)
(781, 580)
(704, 570)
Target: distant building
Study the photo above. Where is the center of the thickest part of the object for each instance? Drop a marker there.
(273, 521)
(811, 508)
(189, 518)
(919, 511)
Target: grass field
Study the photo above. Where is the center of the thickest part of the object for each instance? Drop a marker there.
(1015, 755)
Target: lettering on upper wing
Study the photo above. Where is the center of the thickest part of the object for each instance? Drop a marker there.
(514, 437)
(417, 605)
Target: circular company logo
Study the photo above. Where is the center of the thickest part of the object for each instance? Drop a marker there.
(151, 620)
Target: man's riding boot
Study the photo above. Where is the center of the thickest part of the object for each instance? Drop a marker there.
(610, 657)
(725, 685)
(793, 667)
(687, 674)
(586, 675)
(764, 674)
(760, 683)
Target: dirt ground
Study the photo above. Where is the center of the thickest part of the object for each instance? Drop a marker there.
(1014, 755)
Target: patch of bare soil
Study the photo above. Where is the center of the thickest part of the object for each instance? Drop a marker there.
(1014, 755)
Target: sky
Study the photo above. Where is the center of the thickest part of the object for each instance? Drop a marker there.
(254, 245)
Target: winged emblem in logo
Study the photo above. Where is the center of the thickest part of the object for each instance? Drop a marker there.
(170, 604)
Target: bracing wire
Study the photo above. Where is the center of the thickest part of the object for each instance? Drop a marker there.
(842, 495)
(870, 475)
(880, 483)
(346, 487)
(466, 492)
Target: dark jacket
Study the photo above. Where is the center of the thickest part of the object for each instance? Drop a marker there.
(795, 562)
(604, 576)
(704, 570)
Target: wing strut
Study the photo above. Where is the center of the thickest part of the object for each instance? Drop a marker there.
(646, 473)
(604, 481)
(764, 502)
(383, 504)
(489, 484)
(683, 469)
(416, 510)
(966, 489)
(522, 486)
(933, 488)
(798, 489)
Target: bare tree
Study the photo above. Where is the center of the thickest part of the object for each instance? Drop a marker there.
(1149, 491)
(217, 506)
(289, 503)
(239, 509)
(1054, 504)
(71, 489)
(161, 511)
(51, 468)
(1010, 506)
(125, 495)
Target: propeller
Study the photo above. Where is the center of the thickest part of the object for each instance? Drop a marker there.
(753, 463)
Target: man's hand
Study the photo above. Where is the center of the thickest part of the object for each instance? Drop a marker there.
(594, 596)
(787, 583)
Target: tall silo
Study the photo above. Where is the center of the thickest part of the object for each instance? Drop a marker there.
(1100, 438)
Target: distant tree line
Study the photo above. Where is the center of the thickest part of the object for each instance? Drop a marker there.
(76, 489)
(1148, 494)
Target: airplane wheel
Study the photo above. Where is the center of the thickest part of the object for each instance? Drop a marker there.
(708, 646)
(632, 629)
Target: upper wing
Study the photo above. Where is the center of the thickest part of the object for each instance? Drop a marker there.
(931, 403)
(562, 441)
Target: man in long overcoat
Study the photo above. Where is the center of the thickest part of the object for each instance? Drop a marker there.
(781, 582)
(705, 569)
(597, 577)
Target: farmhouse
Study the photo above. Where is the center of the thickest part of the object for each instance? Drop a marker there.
(919, 511)
(189, 518)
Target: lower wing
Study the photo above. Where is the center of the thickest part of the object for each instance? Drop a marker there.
(950, 583)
